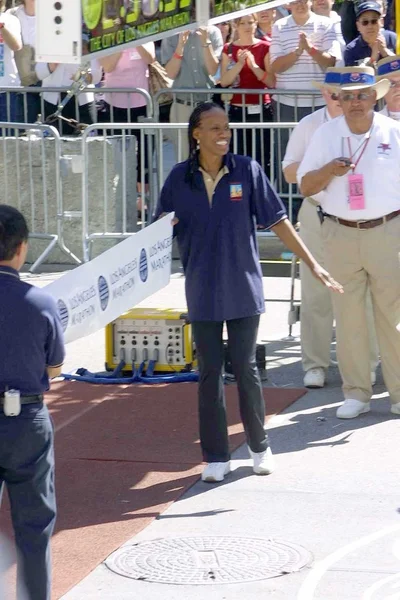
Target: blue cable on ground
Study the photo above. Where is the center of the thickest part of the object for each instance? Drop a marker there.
(137, 376)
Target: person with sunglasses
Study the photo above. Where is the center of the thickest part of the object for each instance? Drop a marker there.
(390, 68)
(353, 161)
(316, 315)
(374, 42)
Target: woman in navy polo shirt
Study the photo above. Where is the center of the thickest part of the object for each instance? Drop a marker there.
(218, 199)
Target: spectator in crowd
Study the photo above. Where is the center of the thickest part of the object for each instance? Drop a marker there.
(191, 60)
(373, 42)
(348, 17)
(223, 276)
(324, 9)
(303, 46)
(25, 60)
(226, 30)
(10, 42)
(245, 64)
(81, 109)
(129, 69)
(265, 18)
(389, 68)
(353, 161)
(316, 314)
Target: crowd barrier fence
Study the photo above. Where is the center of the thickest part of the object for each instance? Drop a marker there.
(113, 217)
(30, 179)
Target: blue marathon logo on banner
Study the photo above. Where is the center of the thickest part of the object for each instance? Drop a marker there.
(63, 313)
(143, 266)
(104, 292)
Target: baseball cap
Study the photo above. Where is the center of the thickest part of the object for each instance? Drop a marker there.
(370, 5)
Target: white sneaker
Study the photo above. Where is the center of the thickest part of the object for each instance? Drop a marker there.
(314, 378)
(263, 462)
(373, 378)
(395, 409)
(352, 408)
(215, 471)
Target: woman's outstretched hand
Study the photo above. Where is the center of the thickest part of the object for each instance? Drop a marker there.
(324, 277)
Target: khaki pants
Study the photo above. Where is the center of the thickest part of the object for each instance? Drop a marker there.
(180, 113)
(359, 259)
(316, 313)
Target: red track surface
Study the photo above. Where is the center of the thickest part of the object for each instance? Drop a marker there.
(123, 454)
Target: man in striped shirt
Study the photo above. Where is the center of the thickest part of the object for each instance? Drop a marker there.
(303, 46)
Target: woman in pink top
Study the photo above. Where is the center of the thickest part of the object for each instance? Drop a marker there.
(129, 69)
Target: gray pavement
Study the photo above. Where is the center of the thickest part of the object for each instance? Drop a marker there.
(335, 491)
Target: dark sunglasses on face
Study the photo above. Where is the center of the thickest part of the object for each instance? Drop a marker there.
(335, 97)
(366, 22)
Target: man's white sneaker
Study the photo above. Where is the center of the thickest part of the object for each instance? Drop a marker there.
(314, 378)
(215, 471)
(352, 408)
(395, 409)
(263, 462)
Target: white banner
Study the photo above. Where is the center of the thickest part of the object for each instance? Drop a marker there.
(96, 293)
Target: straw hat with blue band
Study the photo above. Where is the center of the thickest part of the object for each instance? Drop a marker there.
(332, 78)
(361, 78)
(388, 66)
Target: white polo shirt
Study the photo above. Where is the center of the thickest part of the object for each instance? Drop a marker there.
(379, 165)
(301, 137)
(285, 39)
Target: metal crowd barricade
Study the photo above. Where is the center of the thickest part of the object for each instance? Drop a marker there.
(100, 219)
(30, 178)
(23, 113)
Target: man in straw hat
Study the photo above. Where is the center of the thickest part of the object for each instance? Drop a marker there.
(316, 315)
(389, 68)
(354, 161)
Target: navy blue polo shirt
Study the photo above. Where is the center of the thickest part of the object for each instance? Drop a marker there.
(217, 243)
(358, 50)
(31, 337)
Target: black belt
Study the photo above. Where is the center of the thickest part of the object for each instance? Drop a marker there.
(187, 102)
(364, 224)
(26, 399)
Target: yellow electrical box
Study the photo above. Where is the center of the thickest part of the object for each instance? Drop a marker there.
(144, 334)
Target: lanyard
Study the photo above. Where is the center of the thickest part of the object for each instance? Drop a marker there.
(361, 149)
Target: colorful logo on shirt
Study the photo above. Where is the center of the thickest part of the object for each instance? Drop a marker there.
(104, 292)
(143, 266)
(236, 191)
(63, 314)
(384, 149)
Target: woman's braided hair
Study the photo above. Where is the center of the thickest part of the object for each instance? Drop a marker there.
(194, 122)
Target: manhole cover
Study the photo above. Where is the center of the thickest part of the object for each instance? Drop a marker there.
(208, 560)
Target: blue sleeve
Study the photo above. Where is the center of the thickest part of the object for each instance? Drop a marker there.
(391, 40)
(165, 201)
(266, 205)
(55, 349)
(348, 57)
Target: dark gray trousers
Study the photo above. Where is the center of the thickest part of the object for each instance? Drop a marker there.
(27, 469)
(242, 338)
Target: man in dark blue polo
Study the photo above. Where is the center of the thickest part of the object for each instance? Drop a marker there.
(374, 42)
(31, 353)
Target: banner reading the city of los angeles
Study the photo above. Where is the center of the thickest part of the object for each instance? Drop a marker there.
(113, 23)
